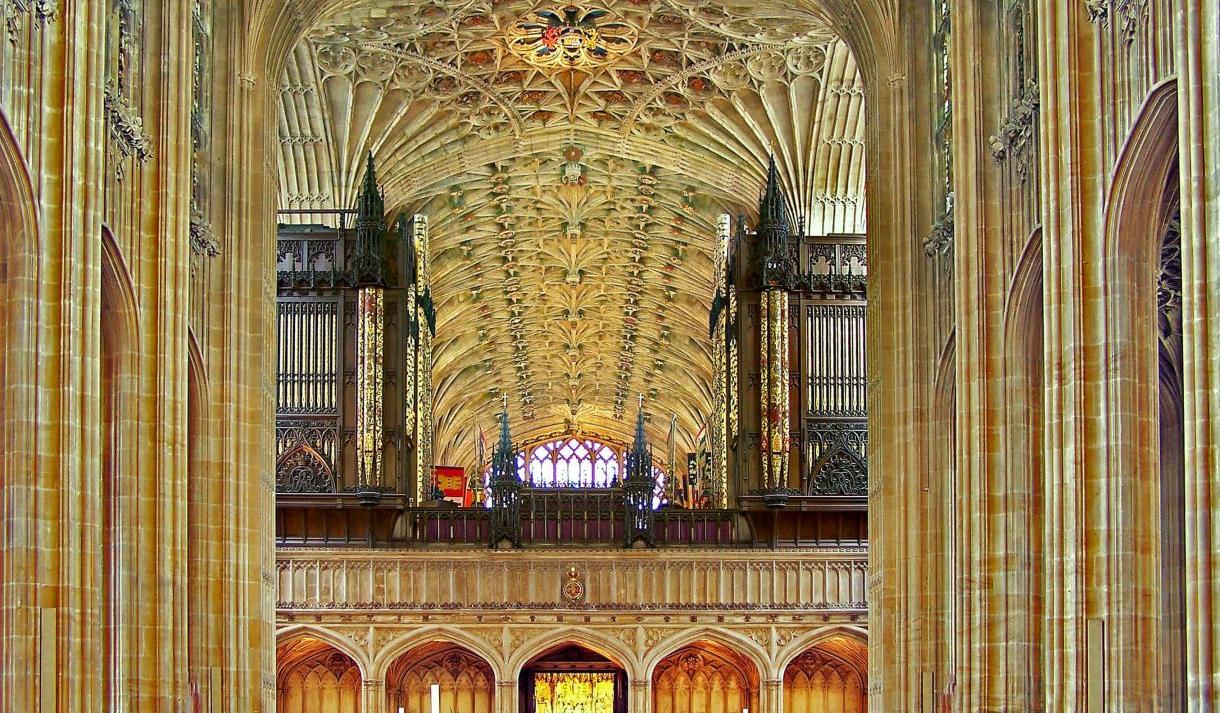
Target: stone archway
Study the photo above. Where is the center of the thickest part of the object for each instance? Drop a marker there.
(312, 676)
(877, 32)
(120, 473)
(706, 677)
(1024, 358)
(19, 487)
(463, 680)
(828, 677)
(570, 676)
(1144, 559)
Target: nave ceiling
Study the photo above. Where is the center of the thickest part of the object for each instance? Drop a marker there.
(572, 166)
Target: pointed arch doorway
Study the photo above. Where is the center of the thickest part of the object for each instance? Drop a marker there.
(573, 679)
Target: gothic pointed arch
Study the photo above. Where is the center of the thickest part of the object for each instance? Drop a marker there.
(705, 675)
(828, 677)
(396, 648)
(464, 679)
(1024, 357)
(606, 646)
(750, 650)
(301, 637)
(316, 674)
(1146, 501)
(19, 355)
(120, 471)
(841, 470)
(842, 635)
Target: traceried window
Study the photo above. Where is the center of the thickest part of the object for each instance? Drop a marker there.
(573, 463)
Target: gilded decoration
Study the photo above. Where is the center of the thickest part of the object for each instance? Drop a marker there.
(369, 385)
(571, 37)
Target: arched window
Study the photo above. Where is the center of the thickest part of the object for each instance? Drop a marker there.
(576, 462)
(573, 463)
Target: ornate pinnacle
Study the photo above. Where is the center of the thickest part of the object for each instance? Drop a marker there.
(503, 460)
(504, 488)
(640, 442)
(368, 265)
(506, 439)
(370, 206)
(639, 460)
(772, 209)
(778, 268)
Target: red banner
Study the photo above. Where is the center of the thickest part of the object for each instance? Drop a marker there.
(451, 479)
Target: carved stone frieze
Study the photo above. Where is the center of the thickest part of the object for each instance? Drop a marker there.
(1127, 15)
(784, 636)
(759, 635)
(653, 636)
(358, 635)
(1098, 10)
(628, 636)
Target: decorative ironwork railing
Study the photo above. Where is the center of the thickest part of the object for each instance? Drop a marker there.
(559, 518)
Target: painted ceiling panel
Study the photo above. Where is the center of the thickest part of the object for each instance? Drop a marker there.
(572, 160)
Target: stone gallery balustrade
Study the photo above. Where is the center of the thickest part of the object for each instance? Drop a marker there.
(477, 622)
(612, 580)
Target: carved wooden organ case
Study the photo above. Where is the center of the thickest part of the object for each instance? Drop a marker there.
(789, 356)
(355, 328)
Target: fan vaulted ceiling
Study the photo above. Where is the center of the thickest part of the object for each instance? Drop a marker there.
(572, 160)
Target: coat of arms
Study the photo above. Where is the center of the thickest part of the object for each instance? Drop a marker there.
(574, 37)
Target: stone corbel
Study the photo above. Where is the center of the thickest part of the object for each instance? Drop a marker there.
(203, 240)
(1098, 10)
(1017, 130)
(126, 127)
(941, 237)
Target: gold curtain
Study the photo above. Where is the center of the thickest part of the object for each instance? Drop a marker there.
(574, 693)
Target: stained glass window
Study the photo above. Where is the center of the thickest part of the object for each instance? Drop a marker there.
(573, 463)
(576, 462)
